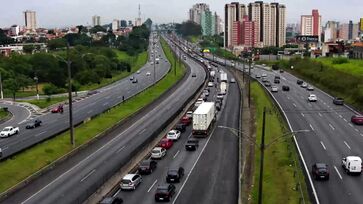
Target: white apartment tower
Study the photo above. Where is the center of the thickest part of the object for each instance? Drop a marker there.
(195, 13)
(30, 20)
(96, 20)
(115, 24)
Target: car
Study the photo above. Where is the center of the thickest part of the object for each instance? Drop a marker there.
(186, 119)
(312, 98)
(148, 73)
(194, 75)
(134, 81)
(210, 84)
(206, 93)
(264, 79)
(132, 78)
(130, 181)
(189, 114)
(258, 76)
(299, 82)
(147, 166)
(277, 77)
(281, 71)
(320, 171)
(310, 88)
(174, 175)
(192, 144)
(198, 103)
(352, 164)
(233, 80)
(220, 95)
(274, 89)
(267, 84)
(181, 127)
(164, 192)
(218, 106)
(285, 88)
(90, 93)
(173, 135)
(338, 101)
(304, 85)
(276, 81)
(264, 75)
(357, 119)
(9, 131)
(166, 143)
(111, 200)
(57, 109)
(158, 152)
(33, 124)
(138, 72)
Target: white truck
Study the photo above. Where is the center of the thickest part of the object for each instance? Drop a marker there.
(157, 60)
(352, 164)
(9, 131)
(223, 88)
(212, 73)
(223, 77)
(203, 117)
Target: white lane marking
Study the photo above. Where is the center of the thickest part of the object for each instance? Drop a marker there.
(288, 98)
(107, 97)
(331, 126)
(176, 154)
(294, 104)
(119, 150)
(40, 133)
(4, 148)
(350, 124)
(347, 144)
(345, 120)
(322, 144)
(311, 127)
(142, 131)
(105, 104)
(356, 130)
(152, 186)
(90, 111)
(340, 116)
(117, 192)
(361, 135)
(320, 115)
(191, 170)
(88, 175)
(302, 114)
(336, 169)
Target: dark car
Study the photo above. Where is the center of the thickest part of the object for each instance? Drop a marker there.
(192, 144)
(164, 192)
(180, 126)
(174, 175)
(33, 124)
(320, 171)
(285, 88)
(218, 106)
(338, 101)
(134, 81)
(357, 119)
(281, 71)
(277, 77)
(186, 120)
(299, 81)
(90, 93)
(267, 84)
(194, 75)
(276, 81)
(111, 200)
(147, 166)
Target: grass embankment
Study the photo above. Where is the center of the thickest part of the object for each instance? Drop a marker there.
(3, 113)
(12, 171)
(279, 183)
(43, 103)
(338, 76)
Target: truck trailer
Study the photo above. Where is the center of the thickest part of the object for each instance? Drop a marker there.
(203, 117)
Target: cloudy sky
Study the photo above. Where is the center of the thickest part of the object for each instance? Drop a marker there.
(59, 13)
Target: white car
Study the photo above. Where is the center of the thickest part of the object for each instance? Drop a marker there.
(138, 72)
(198, 103)
(148, 73)
(304, 85)
(220, 95)
(158, 153)
(264, 75)
(173, 134)
(312, 98)
(189, 114)
(274, 89)
(210, 84)
(9, 131)
(310, 88)
(130, 181)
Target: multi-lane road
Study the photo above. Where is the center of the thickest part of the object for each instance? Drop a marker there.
(83, 108)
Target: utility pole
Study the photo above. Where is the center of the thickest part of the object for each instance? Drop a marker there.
(154, 58)
(249, 83)
(1, 87)
(262, 152)
(243, 70)
(70, 97)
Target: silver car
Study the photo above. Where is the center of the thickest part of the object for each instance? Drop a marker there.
(130, 181)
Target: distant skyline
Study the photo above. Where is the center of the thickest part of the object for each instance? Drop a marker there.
(61, 13)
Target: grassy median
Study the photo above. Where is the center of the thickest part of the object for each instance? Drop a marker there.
(282, 173)
(12, 171)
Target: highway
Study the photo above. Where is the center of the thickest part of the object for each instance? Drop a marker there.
(83, 108)
(75, 181)
(211, 172)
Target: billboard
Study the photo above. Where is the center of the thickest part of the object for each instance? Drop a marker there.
(307, 39)
(361, 24)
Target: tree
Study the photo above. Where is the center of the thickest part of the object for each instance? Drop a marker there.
(188, 28)
(28, 49)
(50, 89)
(75, 86)
(148, 23)
(57, 43)
(4, 40)
(97, 28)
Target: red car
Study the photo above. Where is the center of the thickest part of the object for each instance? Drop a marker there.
(166, 143)
(58, 109)
(186, 120)
(357, 119)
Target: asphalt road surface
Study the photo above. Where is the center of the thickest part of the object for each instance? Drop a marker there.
(83, 108)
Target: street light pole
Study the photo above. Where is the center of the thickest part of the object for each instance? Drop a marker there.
(1, 87)
(262, 152)
(36, 86)
(71, 129)
(249, 84)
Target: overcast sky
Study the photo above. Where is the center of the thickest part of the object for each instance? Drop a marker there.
(59, 13)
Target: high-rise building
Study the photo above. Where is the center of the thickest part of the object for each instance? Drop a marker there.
(232, 15)
(115, 24)
(208, 23)
(311, 24)
(350, 30)
(331, 31)
(248, 32)
(218, 26)
(14, 30)
(195, 13)
(96, 20)
(123, 24)
(130, 24)
(30, 20)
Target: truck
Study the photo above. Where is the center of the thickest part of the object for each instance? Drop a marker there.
(223, 88)
(223, 77)
(9, 131)
(352, 164)
(203, 117)
(157, 60)
(212, 74)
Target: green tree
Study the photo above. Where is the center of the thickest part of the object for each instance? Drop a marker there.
(188, 28)
(57, 43)
(28, 49)
(50, 89)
